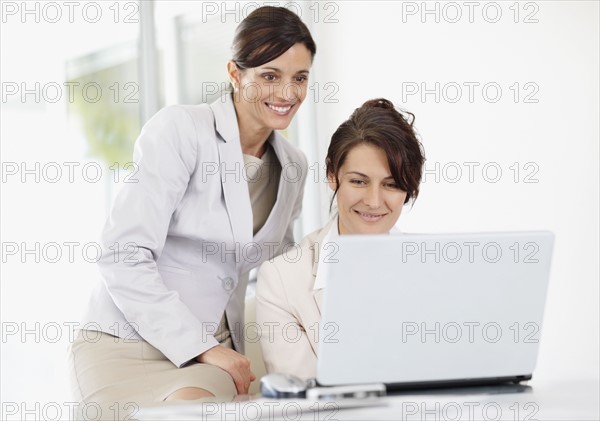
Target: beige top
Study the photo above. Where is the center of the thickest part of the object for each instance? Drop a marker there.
(262, 175)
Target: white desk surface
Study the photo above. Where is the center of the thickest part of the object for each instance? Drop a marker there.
(550, 401)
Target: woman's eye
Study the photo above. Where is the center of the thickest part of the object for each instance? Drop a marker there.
(392, 186)
(301, 79)
(269, 77)
(358, 182)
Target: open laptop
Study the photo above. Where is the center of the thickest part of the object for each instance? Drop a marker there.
(415, 311)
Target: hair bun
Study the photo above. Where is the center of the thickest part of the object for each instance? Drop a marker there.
(386, 104)
(379, 103)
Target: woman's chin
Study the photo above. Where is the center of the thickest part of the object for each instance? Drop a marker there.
(280, 123)
(382, 227)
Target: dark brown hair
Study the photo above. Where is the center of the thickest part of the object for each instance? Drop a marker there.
(378, 123)
(267, 33)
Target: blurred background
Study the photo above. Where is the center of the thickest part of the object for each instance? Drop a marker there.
(506, 99)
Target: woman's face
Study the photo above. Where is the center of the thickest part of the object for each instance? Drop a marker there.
(268, 96)
(369, 200)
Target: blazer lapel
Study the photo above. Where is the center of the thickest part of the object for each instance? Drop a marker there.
(235, 187)
(316, 247)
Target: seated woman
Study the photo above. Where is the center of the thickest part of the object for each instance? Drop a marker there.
(374, 166)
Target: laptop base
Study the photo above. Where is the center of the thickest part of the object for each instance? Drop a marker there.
(442, 384)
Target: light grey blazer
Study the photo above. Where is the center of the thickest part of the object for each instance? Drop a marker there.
(178, 240)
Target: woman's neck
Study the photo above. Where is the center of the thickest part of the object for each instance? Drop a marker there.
(253, 137)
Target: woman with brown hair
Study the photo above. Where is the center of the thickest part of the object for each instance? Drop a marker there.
(166, 320)
(374, 166)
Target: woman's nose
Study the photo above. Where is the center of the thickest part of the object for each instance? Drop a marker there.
(288, 91)
(373, 197)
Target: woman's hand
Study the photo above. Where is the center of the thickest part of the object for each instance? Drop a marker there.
(236, 364)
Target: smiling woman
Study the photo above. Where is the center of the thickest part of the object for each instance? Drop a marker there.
(374, 166)
(160, 324)
(268, 96)
(269, 79)
(369, 200)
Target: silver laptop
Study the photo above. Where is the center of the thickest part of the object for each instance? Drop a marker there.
(429, 310)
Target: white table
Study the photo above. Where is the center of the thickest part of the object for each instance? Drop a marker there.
(561, 400)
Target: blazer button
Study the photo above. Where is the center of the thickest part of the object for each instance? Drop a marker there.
(227, 283)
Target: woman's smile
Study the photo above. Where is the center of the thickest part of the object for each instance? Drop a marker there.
(280, 109)
(370, 217)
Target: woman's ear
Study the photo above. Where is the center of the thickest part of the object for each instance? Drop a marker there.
(332, 182)
(234, 74)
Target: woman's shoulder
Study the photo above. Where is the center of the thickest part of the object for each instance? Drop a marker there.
(181, 125)
(294, 257)
(295, 262)
(196, 115)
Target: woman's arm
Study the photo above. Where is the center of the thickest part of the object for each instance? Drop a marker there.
(133, 238)
(284, 341)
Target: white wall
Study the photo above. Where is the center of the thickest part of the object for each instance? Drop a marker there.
(42, 301)
(379, 49)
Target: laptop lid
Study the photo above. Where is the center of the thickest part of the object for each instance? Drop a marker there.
(414, 309)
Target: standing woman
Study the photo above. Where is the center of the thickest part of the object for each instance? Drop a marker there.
(216, 193)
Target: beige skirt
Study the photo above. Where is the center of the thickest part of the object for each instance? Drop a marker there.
(111, 377)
